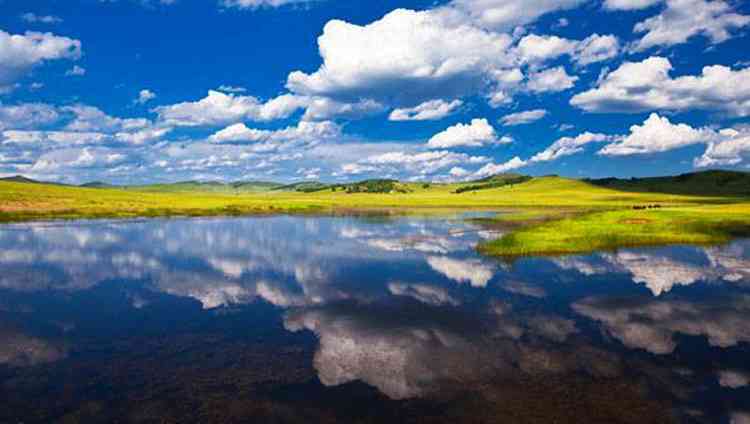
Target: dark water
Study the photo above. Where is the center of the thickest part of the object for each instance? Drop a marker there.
(310, 319)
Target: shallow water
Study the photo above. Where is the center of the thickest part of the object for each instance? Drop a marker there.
(337, 319)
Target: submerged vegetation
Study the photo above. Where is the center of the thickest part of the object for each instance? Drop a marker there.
(545, 215)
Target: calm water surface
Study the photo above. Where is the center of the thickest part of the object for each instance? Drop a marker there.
(331, 319)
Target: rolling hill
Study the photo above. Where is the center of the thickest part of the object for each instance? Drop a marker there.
(704, 183)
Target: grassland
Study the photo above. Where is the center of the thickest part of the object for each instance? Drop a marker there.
(547, 215)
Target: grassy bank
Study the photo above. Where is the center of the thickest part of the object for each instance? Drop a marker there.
(608, 230)
(550, 215)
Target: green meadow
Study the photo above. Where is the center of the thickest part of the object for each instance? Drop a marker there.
(542, 215)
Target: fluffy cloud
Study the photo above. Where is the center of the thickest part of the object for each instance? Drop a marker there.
(430, 110)
(232, 89)
(540, 48)
(219, 108)
(566, 146)
(142, 136)
(478, 133)
(408, 58)
(256, 4)
(683, 19)
(644, 86)
(304, 131)
(64, 160)
(20, 53)
(525, 117)
(596, 48)
(356, 169)
(506, 82)
(237, 133)
(505, 14)
(492, 169)
(404, 59)
(75, 71)
(33, 18)
(89, 118)
(551, 80)
(145, 96)
(629, 4)
(26, 133)
(657, 134)
(52, 139)
(27, 115)
(729, 148)
(420, 162)
(322, 108)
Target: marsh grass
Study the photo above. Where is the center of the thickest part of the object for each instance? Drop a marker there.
(610, 230)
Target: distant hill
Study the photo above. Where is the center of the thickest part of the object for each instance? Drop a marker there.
(305, 187)
(208, 186)
(703, 183)
(495, 181)
(97, 184)
(20, 179)
(373, 186)
(365, 186)
(254, 185)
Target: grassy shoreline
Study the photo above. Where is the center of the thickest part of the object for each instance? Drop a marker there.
(548, 215)
(610, 230)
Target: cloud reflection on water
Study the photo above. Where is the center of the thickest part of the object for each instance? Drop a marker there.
(405, 305)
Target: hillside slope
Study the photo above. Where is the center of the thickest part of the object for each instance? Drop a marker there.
(704, 183)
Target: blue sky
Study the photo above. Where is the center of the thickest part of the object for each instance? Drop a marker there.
(133, 91)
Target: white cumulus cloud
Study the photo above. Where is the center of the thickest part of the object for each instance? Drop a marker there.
(304, 131)
(429, 110)
(629, 4)
(730, 148)
(145, 96)
(551, 80)
(525, 117)
(256, 4)
(683, 19)
(20, 53)
(33, 18)
(647, 85)
(657, 134)
(477, 133)
(504, 15)
(567, 146)
(405, 58)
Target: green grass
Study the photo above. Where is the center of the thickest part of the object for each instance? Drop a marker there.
(609, 230)
(547, 215)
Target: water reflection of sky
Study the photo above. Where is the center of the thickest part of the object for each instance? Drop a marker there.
(403, 306)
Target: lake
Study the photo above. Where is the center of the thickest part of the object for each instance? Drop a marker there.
(362, 319)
